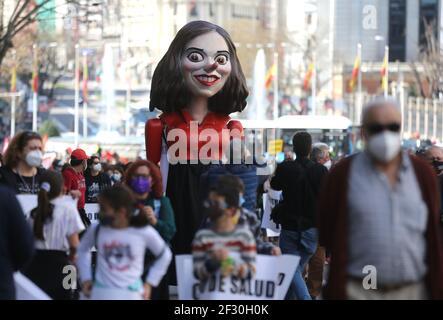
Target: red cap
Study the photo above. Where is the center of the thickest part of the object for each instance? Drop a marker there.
(79, 154)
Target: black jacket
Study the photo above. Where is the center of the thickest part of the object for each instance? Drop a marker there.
(285, 179)
(16, 242)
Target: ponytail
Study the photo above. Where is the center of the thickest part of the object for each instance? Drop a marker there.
(43, 212)
(50, 188)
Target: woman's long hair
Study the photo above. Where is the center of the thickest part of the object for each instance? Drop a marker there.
(90, 164)
(16, 146)
(51, 184)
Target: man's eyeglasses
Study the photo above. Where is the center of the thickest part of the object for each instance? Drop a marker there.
(377, 128)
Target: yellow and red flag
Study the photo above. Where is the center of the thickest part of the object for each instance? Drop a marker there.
(355, 71)
(384, 72)
(14, 78)
(270, 76)
(308, 77)
(35, 75)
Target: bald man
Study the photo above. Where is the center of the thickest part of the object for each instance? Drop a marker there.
(379, 217)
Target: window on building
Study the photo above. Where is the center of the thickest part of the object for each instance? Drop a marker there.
(308, 18)
(244, 12)
(175, 8)
(397, 30)
(428, 17)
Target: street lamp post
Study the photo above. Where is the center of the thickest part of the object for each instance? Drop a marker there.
(14, 57)
(85, 98)
(35, 90)
(76, 94)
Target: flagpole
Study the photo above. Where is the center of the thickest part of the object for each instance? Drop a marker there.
(128, 96)
(76, 95)
(34, 95)
(275, 102)
(314, 83)
(13, 90)
(386, 80)
(128, 103)
(85, 98)
(359, 85)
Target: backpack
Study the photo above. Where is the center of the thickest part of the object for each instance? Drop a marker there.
(299, 210)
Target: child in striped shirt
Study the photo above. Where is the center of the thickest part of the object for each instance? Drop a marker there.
(212, 247)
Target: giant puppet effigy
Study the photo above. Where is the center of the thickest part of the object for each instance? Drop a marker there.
(197, 84)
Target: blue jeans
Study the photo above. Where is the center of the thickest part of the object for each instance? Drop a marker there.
(302, 244)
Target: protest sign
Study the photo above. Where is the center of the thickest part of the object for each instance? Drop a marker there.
(271, 281)
(25, 289)
(270, 199)
(92, 211)
(29, 202)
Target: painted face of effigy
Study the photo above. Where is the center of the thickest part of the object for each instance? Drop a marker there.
(206, 64)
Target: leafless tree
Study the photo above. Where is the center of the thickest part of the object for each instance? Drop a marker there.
(429, 80)
(24, 14)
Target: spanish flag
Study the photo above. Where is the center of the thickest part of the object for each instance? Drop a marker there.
(35, 77)
(85, 78)
(270, 76)
(355, 71)
(308, 76)
(14, 78)
(384, 72)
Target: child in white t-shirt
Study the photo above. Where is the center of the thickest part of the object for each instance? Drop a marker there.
(121, 239)
(56, 225)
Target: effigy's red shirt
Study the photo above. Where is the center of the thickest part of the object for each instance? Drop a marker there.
(193, 141)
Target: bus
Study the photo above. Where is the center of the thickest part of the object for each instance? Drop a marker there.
(336, 131)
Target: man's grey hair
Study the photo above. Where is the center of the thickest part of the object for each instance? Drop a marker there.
(377, 102)
(319, 151)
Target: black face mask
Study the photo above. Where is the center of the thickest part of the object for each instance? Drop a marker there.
(213, 209)
(438, 166)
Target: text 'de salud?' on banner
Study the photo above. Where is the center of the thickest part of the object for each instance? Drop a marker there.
(271, 281)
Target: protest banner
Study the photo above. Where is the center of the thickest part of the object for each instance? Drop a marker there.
(25, 289)
(92, 211)
(29, 202)
(270, 199)
(271, 281)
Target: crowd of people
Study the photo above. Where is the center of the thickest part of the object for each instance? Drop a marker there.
(380, 207)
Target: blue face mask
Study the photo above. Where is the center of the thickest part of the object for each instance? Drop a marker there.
(241, 201)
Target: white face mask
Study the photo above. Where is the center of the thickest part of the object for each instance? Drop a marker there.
(116, 177)
(384, 146)
(328, 164)
(97, 167)
(34, 158)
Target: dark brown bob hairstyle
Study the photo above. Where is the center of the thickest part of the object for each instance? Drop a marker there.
(168, 90)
